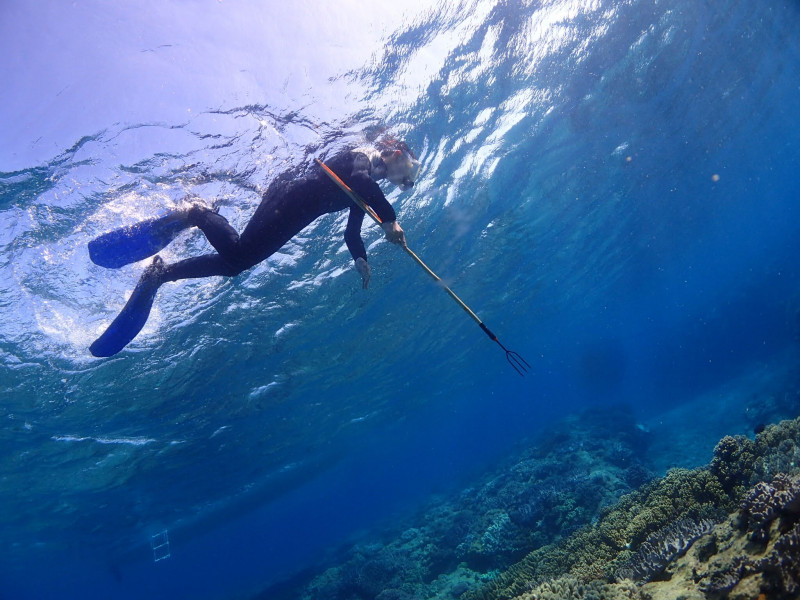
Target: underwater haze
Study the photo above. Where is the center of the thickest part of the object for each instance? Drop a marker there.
(613, 186)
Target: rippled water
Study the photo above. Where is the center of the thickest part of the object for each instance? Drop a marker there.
(611, 186)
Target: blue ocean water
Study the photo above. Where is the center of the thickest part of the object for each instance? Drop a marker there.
(612, 186)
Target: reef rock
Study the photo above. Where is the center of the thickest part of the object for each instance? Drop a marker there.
(759, 552)
(769, 501)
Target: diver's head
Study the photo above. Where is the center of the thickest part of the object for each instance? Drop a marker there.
(402, 166)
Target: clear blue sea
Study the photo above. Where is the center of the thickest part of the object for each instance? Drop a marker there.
(613, 186)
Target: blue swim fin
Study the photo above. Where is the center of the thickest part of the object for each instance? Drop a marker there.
(131, 319)
(136, 242)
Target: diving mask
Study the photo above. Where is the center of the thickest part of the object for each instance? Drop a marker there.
(410, 178)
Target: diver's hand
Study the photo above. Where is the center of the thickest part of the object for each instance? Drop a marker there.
(363, 268)
(394, 233)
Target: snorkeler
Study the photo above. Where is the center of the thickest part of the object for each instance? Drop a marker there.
(289, 205)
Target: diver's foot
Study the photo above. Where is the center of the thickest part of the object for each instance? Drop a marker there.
(153, 275)
(190, 212)
(197, 212)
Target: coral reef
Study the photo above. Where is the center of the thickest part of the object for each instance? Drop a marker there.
(571, 519)
(740, 462)
(559, 485)
(769, 517)
(550, 490)
(661, 548)
(769, 501)
(570, 588)
(728, 564)
(734, 463)
(595, 553)
(598, 551)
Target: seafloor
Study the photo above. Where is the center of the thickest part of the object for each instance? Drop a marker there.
(602, 507)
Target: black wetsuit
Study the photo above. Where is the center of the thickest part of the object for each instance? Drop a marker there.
(289, 205)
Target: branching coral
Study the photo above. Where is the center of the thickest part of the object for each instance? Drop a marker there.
(740, 462)
(778, 450)
(569, 588)
(733, 462)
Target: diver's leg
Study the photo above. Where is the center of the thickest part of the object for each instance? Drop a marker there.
(208, 265)
(216, 228)
(283, 213)
(239, 252)
(133, 316)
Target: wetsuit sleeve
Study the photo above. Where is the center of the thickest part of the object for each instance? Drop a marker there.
(352, 235)
(369, 190)
(366, 187)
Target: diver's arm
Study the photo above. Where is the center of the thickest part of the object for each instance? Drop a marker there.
(352, 237)
(370, 191)
(365, 186)
(352, 234)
